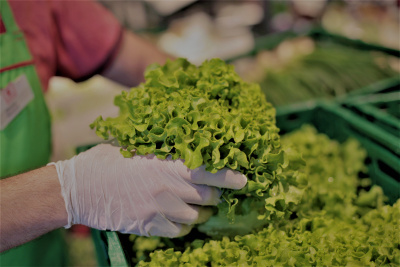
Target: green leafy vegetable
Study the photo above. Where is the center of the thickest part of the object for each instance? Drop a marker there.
(208, 116)
(340, 222)
(318, 241)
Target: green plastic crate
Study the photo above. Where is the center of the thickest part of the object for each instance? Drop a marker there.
(114, 249)
(109, 249)
(383, 110)
(338, 123)
(379, 104)
(381, 87)
(271, 41)
(320, 33)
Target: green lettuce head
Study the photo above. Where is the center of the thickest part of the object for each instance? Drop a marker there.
(208, 115)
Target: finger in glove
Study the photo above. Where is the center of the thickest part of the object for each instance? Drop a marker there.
(182, 212)
(224, 178)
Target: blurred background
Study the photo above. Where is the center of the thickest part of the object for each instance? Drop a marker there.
(297, 51)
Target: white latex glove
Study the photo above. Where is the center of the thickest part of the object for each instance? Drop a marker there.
(142, 195)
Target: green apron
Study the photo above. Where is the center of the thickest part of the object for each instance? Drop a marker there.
(25, 143)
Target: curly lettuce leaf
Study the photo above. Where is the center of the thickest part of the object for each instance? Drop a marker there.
(334, 225)
(208, 115)
(371, 240)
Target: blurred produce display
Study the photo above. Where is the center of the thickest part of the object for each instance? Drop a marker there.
(200, 36)
(371, 21)
(341, 220)
(301, 69)
(200, 30)
(196, 30)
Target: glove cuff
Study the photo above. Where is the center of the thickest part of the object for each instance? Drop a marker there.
(65, 188)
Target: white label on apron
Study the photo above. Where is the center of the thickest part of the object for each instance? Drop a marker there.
(13, 99)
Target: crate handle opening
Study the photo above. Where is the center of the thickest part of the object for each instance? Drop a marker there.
(388, 170)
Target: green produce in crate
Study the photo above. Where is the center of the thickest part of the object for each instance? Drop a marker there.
(301, 69)
(341, 221)
(208, 115)
(318, 241)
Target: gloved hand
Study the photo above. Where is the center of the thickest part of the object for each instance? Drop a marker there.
(142, 195)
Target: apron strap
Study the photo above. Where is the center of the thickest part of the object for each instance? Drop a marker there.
(12, 39)
(7, 17)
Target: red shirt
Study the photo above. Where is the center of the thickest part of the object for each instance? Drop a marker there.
(74, 39)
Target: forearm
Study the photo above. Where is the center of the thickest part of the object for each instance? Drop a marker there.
(31, 205)
(134, 55)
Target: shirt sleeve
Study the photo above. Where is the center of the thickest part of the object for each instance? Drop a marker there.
(88, 37)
